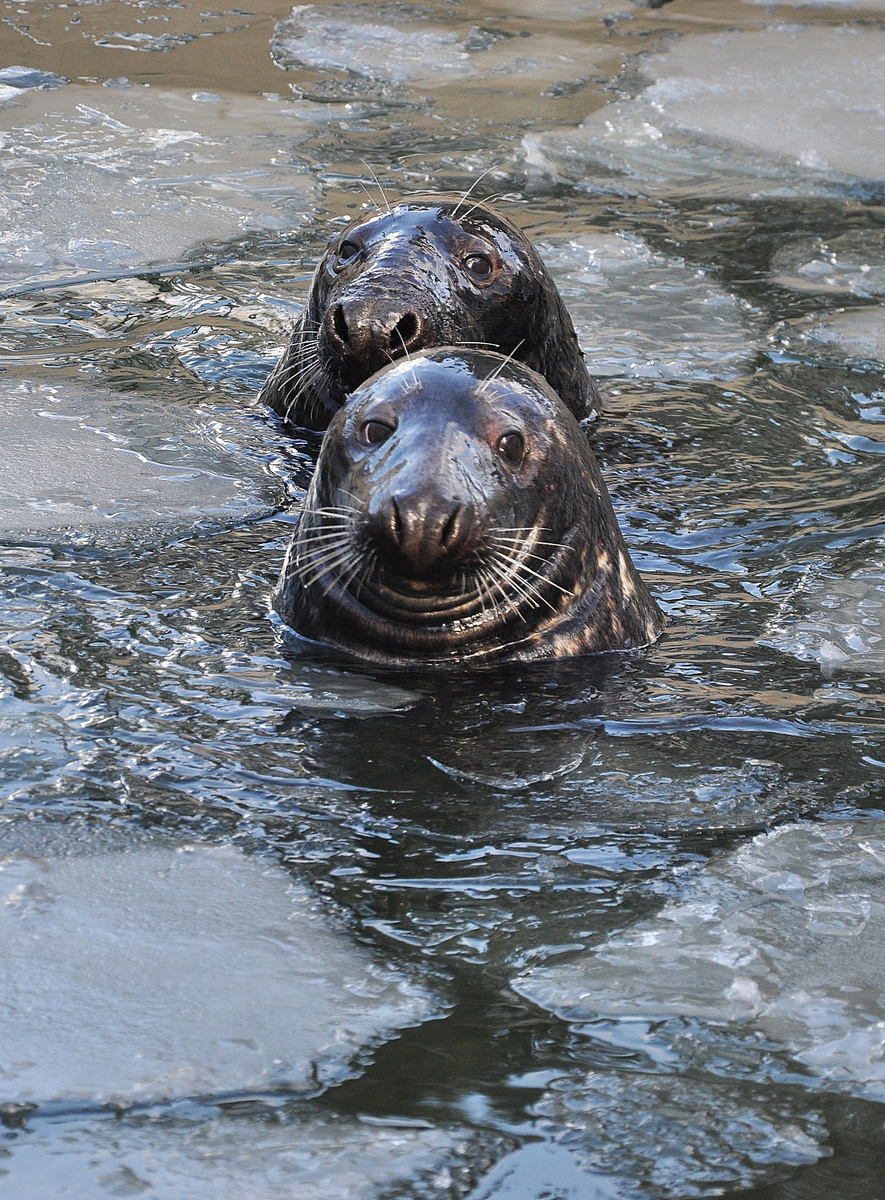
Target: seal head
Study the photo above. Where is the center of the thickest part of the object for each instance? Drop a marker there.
(424, 275)
(457, 514)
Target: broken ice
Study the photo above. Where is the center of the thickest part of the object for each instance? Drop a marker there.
(784, 111)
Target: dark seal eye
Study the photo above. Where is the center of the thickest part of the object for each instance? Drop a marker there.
(511, 447)
(346, 252)
(480, 266)
(376, 432)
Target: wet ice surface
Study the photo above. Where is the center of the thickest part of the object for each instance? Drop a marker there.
(641, 314)
(74, 459)
(150, 972)
(855, 335)
(304, 1152)
(838, 622)
(784, 937)
(173, 171)
(705, 125)
(766, 966)
(853, 263)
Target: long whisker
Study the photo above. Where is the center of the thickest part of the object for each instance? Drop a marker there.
(371, 171)
(500, 367)
(476, 181)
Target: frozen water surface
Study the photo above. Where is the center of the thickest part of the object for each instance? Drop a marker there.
(850, 263)
(855, 335)
(639, 313)
(786, 935)
(172, 172)
(275, 1155)
(790, 110)
(160, 971)
(76, 462)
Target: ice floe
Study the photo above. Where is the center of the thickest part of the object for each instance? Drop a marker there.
(784, 111)
(641, 314)
(152, 970)
(851, 262)
(855, 335)
(786, 937)
(77, 463)
(96, 179)
(838, 622)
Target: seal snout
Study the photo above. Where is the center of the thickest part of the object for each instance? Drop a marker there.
(373, 333)
(424, 532)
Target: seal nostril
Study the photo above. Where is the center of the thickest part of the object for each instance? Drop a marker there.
(339, 324)
(405, 332)
(450, 530)
(396, 523)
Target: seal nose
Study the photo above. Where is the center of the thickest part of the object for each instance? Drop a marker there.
(372, 332)
(426, 532)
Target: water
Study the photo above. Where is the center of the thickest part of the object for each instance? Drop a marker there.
(602, 928)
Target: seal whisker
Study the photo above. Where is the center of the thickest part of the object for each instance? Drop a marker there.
(371, 171)
(492, 375)
(522, 565)
(523, 587)
(475, 183)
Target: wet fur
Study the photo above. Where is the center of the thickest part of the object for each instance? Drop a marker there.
(429, 547)
(411, 261)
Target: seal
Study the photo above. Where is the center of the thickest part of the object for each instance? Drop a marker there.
(457, 514)
(425, 274)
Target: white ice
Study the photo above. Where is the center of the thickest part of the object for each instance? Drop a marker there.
(785, 936)
(81, 462)
(641, 314)
(782, 111)
(312, 1155)
(95, 179)
(850, 335)
(149, 971)
(836, 622)
(850, 263)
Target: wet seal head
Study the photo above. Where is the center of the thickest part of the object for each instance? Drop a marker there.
(457, 514)
(425, 274)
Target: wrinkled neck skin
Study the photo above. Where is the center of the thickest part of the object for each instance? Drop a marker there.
(408, 263)
(565, 586)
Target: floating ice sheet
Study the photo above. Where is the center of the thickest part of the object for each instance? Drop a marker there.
(848, 263)
(855, 335)
(94, 179)
(783, 111)
(81, 463)
(786, 935)
(396, 50)
(152, 971)
(641, 314)
(271, 1156)
(837, 622)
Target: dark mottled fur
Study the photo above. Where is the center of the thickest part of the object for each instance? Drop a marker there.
(458, 514)
(404, 284)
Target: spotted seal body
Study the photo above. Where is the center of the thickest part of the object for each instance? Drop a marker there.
(425, 274)
(457, 514)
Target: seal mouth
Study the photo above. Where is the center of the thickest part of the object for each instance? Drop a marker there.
(511, 578)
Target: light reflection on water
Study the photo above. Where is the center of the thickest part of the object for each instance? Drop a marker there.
(478, 827)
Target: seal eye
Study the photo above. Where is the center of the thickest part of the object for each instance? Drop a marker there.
(511, 447)
(480, 266)
(376, 432)
(346, 252)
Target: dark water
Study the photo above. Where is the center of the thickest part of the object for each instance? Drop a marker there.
(469, 829)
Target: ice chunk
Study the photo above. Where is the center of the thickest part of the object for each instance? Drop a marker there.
(837, 622)
(77, 462)
(171, 172)
(270, 1155)
(30, 77)
(671, 1137)
(849, 335)
(151, 971)
(782, 111)
(309, 38)
(786, 934)
(639, 313)
(851, 262)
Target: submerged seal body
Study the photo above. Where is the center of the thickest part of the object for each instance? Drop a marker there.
(425, 274)
(457, 514)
